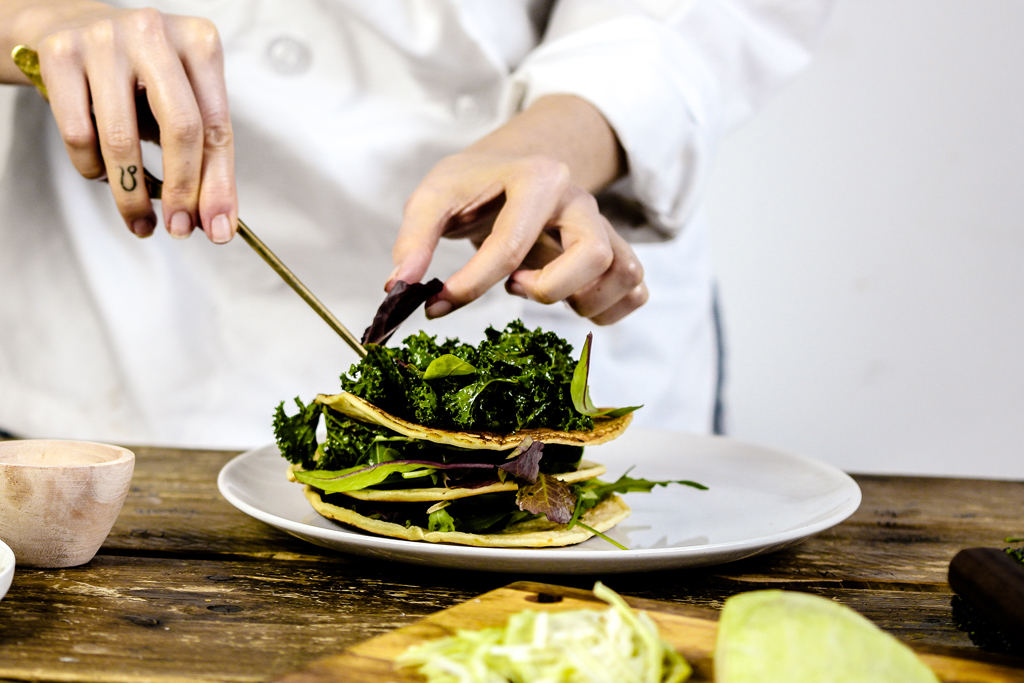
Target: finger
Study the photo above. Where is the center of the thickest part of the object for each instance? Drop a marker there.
(619, 281)
(533, 197)
(63, 73)
(626, 305)
(587, 256)
(203, 60)
(112, 86)
(174, 105)
(423, 220)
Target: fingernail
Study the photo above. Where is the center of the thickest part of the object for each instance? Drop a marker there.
(143, 227)
(221, 228)
(439, 309)
(181, 225)
(391, 278)
(514, 288)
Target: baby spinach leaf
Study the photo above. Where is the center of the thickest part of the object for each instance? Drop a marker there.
(448, 365)
(550, 497)
(440, 520)
(399, 304)
(580, 392)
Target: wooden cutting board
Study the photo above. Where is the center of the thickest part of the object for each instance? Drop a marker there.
(691, 629)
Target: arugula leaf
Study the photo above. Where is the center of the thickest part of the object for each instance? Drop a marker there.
(296, 436)
(549, 497)
(399, 304)
(448, 365)
(581, 392)
(524, 463)
(626, 484)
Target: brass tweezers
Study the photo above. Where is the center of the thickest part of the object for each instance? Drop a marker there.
(28, 61)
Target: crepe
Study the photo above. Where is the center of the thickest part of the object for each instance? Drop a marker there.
(350, 405)
(534, 533)
(586, 470)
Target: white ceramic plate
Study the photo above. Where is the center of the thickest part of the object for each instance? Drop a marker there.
(758, 500)
(6, 568)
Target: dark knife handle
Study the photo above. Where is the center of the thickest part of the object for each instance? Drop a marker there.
(993, 583)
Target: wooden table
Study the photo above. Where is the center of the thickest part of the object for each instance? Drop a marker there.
(188, 588)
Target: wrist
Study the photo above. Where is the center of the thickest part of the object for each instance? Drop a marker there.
(565, 128)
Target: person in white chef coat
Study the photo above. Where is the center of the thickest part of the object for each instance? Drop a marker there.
(356, 137)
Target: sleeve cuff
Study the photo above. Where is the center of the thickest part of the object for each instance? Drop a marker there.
(658, 98)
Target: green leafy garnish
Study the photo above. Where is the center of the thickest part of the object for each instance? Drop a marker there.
(296, 435)
(448, 365)
(580, 390)
(440, 520)
(522, 380)
(354, 478)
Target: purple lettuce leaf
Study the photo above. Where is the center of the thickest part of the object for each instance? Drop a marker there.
(399, 304)
(524, 462)
(550, 497)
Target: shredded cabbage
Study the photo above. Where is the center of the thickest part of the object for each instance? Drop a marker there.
(616, 645)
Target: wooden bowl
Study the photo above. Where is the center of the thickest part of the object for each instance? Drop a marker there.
(59, 499)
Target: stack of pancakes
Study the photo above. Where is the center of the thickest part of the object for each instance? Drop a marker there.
(387, 511)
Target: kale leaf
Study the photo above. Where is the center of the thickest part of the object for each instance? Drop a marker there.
(296, 435)
(521, 379)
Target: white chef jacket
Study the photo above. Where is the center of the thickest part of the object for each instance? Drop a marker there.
(340, 107)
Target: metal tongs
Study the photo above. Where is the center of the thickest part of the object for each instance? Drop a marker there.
(28, 61)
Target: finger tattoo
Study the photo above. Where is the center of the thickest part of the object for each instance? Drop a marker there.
(131, 182)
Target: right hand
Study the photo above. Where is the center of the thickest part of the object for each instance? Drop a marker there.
(146, 76)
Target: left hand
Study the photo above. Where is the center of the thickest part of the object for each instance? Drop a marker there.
(548, 240)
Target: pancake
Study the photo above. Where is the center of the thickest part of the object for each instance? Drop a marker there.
(534, 533)
(586, 470)
(605, 429)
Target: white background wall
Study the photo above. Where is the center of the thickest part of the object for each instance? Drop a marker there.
(869, 235)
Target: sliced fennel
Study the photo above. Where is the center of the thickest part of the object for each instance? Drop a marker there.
(616, 645)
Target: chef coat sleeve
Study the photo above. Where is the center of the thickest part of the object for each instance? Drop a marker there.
(670, 77)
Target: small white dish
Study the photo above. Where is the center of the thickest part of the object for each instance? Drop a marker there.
(6, 568)
(759, 500)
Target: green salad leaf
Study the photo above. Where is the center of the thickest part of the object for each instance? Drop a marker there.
(355, 478)
(514, 379)
(580, 391)
(296, 435)
(448, 365)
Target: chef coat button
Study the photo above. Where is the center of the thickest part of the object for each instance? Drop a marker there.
(288, 56)
(467, 107)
